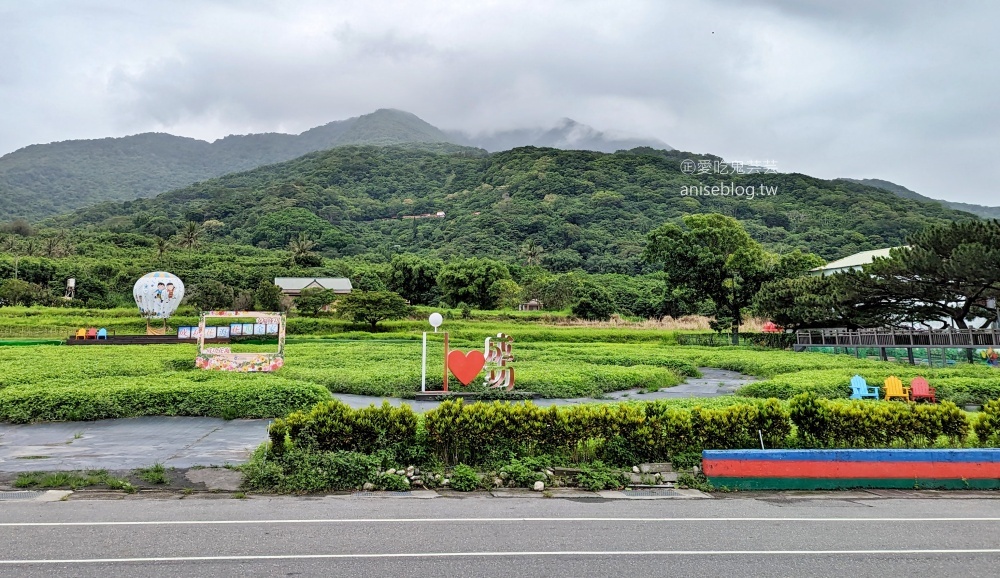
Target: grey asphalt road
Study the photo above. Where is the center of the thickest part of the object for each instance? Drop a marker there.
(478, 536)
(123, 444)
(182, 442)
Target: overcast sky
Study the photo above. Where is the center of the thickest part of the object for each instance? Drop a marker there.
(900, 90)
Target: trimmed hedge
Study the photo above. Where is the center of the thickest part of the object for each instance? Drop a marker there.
(334, 426)
(855, 423)
(628, 432)
(987, 426)
(483, 433)
(621, 434)
(961, 385)
(252, 397)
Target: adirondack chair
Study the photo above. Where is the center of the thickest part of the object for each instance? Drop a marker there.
(860, 389)
(92, 333)
(920, 389)
(81, 333)
(894, 389)
(102, 333)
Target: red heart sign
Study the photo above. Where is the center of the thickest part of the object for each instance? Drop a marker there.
(466, 366)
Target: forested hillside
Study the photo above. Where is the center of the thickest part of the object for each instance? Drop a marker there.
(44, 180)
(48, 179)
(564, 209)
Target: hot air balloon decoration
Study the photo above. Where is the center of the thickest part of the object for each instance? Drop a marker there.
(157, 295)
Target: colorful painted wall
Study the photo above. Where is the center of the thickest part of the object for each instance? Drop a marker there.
(841, 469)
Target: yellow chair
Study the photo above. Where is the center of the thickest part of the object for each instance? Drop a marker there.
(81, 333)
(894, 389)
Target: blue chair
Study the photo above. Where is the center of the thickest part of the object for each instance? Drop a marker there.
(102, 333)
(860, 389)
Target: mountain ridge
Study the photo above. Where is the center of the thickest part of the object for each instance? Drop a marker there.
(899, 190)
(43, 180)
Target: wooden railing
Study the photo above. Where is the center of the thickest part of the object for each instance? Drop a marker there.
(956, 338)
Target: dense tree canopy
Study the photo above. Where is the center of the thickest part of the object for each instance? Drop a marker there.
(945, 273)
(373, 306)
(559, 209)
(714, 257)
(474, 282)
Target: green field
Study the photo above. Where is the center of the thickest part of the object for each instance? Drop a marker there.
(46, 382)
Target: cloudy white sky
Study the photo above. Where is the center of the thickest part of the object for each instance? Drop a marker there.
(900, 90)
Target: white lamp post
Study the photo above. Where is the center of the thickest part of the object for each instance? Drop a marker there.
(435, 320)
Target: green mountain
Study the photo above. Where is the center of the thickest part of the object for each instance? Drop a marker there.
(980, 210)
(583, 209)
(43, 180)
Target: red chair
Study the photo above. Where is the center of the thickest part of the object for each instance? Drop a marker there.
(920, 389)
(92, 333)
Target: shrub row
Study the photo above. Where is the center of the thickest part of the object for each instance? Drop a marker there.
(482, 433)
(334, 426)
(252, 397)
(987, 427)
(961, 385)
(621, 434)
(853, 423)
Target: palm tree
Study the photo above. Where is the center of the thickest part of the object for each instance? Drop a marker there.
(9, 244)
(161, 247)
(532, 252)
(51, 247)
(65, 248)
(189, 236)
(301, 247)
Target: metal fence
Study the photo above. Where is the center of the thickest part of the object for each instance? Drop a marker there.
(36, 331)
(955, 338)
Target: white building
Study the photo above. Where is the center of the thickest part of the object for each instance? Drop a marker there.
(293, 286)
(856, 261)
(851, 262)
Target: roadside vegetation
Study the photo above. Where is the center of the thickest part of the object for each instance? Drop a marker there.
(72, 480)
(495, 445)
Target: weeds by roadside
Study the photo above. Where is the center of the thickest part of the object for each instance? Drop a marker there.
(72, 480)
(155, 474)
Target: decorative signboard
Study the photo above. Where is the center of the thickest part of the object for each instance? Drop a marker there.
(499, 356)
(496, 360)
(222, 358)
(465, 366)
